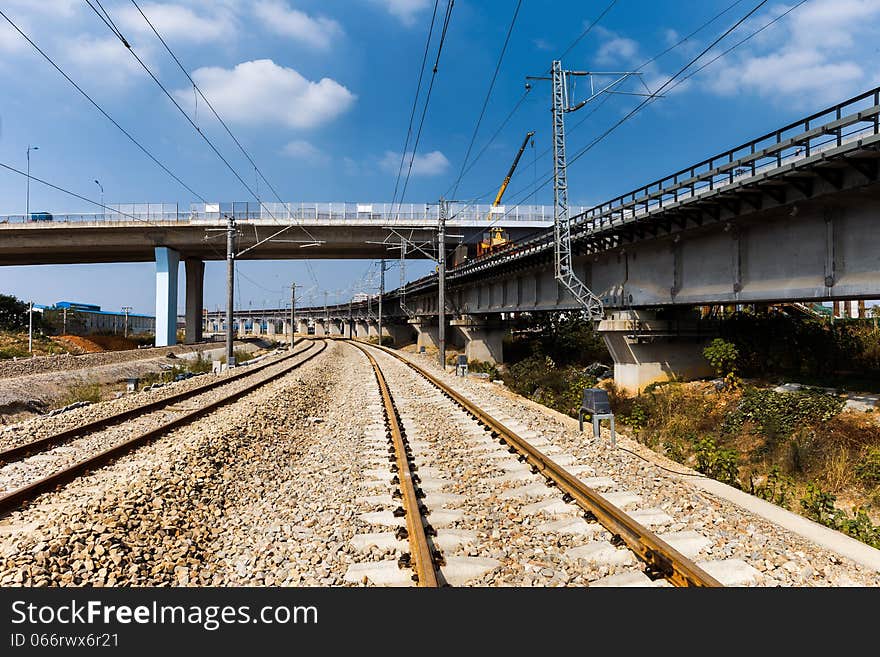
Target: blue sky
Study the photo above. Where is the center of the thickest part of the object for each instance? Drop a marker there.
(320, 91)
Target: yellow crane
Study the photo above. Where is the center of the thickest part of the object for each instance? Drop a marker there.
(496, 236)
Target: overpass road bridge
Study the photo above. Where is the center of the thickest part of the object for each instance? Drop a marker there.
(132, 232)
(793, 215)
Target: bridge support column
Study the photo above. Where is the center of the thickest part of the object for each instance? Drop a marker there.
(256, 327)
(271, 327)
(373, 328)
(320, 328)
(242, 328)
(647, 350)
(361, 329)
(347, 325)
(167, 262)
(334, 327)
(195, 285)
(483, 338)
(302, 326)
(427, 333)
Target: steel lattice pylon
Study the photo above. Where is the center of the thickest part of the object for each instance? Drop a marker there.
(562, 229)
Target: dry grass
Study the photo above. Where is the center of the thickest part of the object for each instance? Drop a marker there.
(827, 453)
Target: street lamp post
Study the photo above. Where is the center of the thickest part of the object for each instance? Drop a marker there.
(103, 216)
(31, 327)
(28, 198)
(126, 310)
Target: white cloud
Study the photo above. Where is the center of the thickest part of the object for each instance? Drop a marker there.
(543, 44)
(54, 8)
(262, 92)
(815, 55)
(617, 50)
(404, 10)
(103, 62)
(426, 164)
(621, 53)
(304, 150)
(178, 23)
(278, 17)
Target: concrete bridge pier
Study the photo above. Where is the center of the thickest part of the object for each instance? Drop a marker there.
(167, 262)
(483, 338)
(427, 332)
(347, 326)
(361, 329)
(335, 327)
(373, 328)
(195, 286)
(242, 328)
(648, 350)
(400, 334)
(256, 326)
(271, 327)
(302, 326)
(321, 328)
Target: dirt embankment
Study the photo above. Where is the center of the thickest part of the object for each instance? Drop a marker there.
(27, 394)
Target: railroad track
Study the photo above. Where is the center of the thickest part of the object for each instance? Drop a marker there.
(11, 454)
(252, 379)
(422, 557)
(661, 560)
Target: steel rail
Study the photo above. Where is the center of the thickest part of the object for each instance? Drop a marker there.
(661, 558)
(20, 451)
(422, 555)
(15, 499)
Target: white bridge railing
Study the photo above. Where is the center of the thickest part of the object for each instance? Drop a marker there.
(419, 214)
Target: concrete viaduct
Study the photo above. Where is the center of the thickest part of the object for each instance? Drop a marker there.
(793, 215)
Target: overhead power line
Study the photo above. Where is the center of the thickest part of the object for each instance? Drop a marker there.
(488, 96)
(189, 120)
(415, 102)
(102, 110)
(207, 102)
(75, 195)
(415, 149)
(214, 112)
(583, 151)
(494, 135)
(588, 29)
(605, 98)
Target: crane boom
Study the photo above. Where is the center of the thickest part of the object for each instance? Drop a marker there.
(509, 175)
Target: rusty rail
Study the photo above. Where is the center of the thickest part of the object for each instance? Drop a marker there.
(13, 500)
(422, 555)
(660, 557)
(20, 451)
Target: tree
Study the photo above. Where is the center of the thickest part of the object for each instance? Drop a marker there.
(722, 355)
(13, 313)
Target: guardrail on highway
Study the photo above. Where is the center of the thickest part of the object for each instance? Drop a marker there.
(426, 214)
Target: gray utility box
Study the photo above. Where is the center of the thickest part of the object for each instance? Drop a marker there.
(461, 365)
(596, 404)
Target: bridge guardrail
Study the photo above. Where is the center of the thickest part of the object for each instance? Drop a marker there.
(306, 213)
(776, 150)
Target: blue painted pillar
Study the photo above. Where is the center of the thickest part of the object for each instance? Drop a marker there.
(167, 262)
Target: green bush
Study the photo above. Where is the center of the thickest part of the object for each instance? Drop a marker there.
(90, 392)
(716, 462)
(722, 355)
(868, 469)
(200, 365)
(13, 352)
(484, 367)
(776, 489)
(777, 414)
(818, 505)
